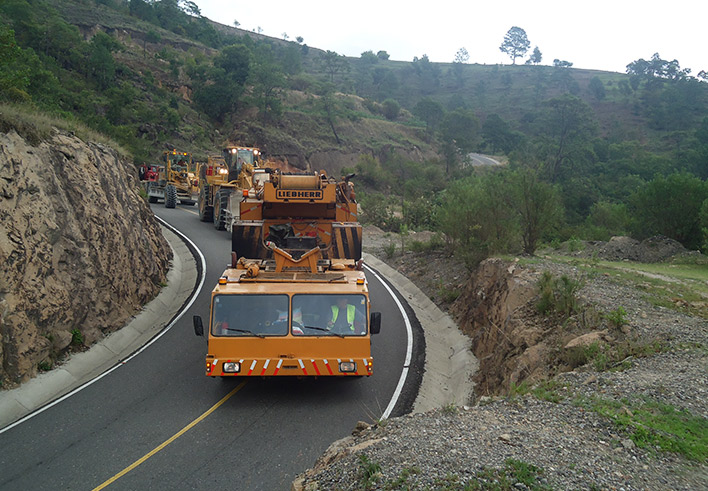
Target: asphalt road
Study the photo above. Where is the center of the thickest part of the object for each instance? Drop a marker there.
(477, 159)
(147, 425)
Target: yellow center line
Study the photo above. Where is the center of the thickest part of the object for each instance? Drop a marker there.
(171, 439)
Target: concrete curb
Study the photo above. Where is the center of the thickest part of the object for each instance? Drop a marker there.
(449, 361)
(82, 367)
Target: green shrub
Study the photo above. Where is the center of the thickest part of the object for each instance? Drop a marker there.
(545, 302)
(575, 244)
(557, 294)
(391, 109)
(566, 290)
(447, 294)
(390, 249)
(417, 246)
(76, 337)
(617, 317)
(369, 472)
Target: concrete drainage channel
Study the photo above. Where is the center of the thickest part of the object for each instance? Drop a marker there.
(449, 361)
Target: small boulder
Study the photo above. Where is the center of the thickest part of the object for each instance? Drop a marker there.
(587, 339)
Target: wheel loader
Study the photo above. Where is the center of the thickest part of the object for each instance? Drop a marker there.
(222, 181)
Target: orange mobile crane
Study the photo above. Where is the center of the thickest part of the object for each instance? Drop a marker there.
(294, 301)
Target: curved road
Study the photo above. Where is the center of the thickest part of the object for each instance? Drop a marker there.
(477, 159)
(158, 423)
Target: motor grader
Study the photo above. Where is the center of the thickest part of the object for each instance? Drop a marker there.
(222, 180)
(294, 300)
(176, 180)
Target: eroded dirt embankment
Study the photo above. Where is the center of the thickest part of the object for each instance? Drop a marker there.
(494, 309)
(80, 251)
(494, 306)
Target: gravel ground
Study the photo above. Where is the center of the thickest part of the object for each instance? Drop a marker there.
(553, 439)
(448, 448)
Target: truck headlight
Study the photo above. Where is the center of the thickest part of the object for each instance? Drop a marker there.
(347, 366)
(231, 367)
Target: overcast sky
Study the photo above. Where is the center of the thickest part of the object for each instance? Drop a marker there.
(599, 34)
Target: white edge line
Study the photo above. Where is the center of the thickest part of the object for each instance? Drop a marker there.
(409, 348)
(143, 348)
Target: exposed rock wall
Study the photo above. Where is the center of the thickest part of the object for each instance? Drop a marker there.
(79, 249)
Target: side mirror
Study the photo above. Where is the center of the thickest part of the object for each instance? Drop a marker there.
(375, 322)
(198, 326)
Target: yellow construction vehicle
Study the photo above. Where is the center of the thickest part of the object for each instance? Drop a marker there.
(294, 300)
(175, 179)
(221, 183)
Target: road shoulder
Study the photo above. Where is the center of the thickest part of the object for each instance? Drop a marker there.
(449, 362)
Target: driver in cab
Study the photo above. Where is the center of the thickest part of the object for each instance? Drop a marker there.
(345, 318)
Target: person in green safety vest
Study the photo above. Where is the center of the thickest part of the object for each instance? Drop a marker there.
(345, 318)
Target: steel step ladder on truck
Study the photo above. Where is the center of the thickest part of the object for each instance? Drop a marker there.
(175, 179)
(294, 300)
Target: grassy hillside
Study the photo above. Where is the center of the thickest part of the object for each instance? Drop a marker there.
(157, 75)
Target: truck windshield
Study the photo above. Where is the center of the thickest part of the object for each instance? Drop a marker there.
(339, 315)
(236, 157)
(250, 315)
(246, 156)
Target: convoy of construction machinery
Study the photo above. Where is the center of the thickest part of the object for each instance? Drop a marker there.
(294, 300)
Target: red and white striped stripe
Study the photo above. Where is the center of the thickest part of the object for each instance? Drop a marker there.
(265, 366)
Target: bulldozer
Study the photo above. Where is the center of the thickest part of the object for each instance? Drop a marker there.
(222, 180)
(175, 179)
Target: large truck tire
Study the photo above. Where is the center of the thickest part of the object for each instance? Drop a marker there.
(206, 211)
(170, 196)
(152, 199)
(219, 210)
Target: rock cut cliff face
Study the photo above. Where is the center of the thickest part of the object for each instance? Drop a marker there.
(80, 251)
